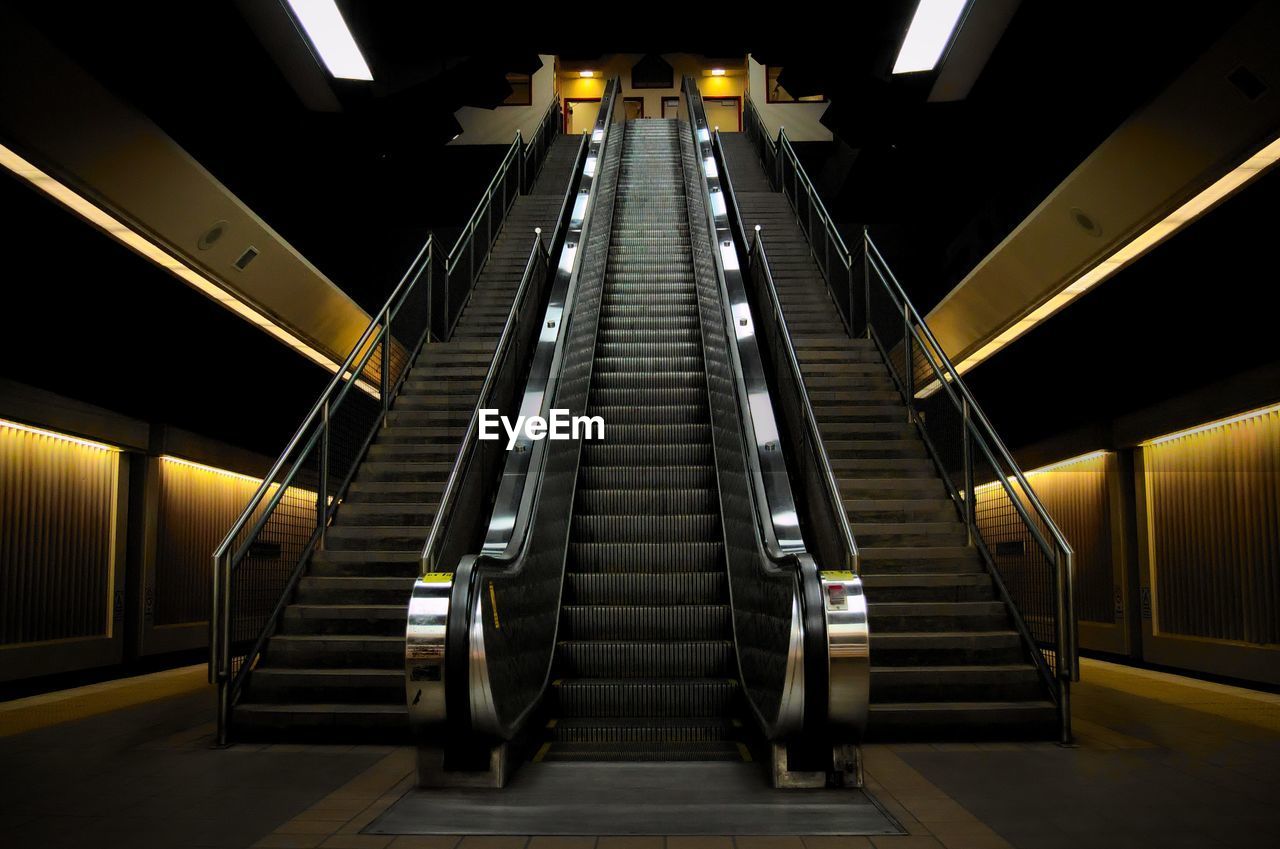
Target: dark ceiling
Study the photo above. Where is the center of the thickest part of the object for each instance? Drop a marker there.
(357, 189)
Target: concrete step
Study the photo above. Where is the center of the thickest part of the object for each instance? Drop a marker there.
(929, 587)
(946, 648)
(354, 619)
(940, 616)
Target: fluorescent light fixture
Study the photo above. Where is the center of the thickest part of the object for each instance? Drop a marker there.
(928, 36)
(1214, 425)
(1210, 197)
(331, 38)
(61, 437)
(135, 241)
(586, 75)
(717, 72)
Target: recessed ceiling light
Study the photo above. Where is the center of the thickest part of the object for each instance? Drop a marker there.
(928, 36)
(586, 74)
(331, 38)
(717, 72)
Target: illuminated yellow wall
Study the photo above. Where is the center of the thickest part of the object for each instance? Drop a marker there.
(196, 506)
(1081, 494)
(1213, 530)
(733, 84)
(58, 538)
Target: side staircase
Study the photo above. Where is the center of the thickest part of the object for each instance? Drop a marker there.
(337, 660)
(945, 657)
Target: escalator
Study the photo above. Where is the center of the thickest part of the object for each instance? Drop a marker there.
(646, 596)
(644, 663)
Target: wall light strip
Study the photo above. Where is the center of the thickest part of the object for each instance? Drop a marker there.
(331, 38)
(928, 35)
(1218, 191)
(62, 437)
(191, 464)
(1214, 425)
(148, 249)
(1052, 467)
(293, 491)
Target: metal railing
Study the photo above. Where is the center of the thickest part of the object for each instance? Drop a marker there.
(788, 176)
(453, 632)
(818, 480)
(261, 558)
(500, 390)
(535, 153)
(960, 439)
(470, 252)
(781, 572)
(263, 554)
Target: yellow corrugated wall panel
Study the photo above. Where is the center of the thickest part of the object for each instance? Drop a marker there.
(1076, 494)
(197, 504)
(57, 536)
(1214, 528)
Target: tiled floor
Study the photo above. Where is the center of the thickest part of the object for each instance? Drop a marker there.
(1162, 761)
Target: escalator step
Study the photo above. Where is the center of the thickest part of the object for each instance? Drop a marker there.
(675, 751)
(643, 730)
(614, 557)
(651, 414)
(645, 622)
(600, 697)
(644, 529)
(598, 454)
(634, 659)
(648, 477)
(651, 502)
(646, 588)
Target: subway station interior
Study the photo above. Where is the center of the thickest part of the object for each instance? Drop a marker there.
(845, 428)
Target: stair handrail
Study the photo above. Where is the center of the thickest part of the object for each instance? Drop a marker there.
(836, 642)
(467, 258)
(976, 428)
(290, 475)
(836, 262)
(977, 431)
(535, 152)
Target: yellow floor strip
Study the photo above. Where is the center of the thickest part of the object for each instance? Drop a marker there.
(1251, 707)
(50, 709)
(542, 753)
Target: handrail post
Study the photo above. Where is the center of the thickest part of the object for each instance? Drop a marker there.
(909, 359)
(520, 152)
(1065, 648)
(866, 279)
(848, 273)
(222, 649)
(970, 496)
(322, 486)
(385, 388)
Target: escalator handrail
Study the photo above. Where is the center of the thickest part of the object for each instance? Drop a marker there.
(756, 254)
(442, 612)
(773, 503)
(444, 513)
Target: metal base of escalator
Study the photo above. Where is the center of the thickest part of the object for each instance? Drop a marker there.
(637, 799)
